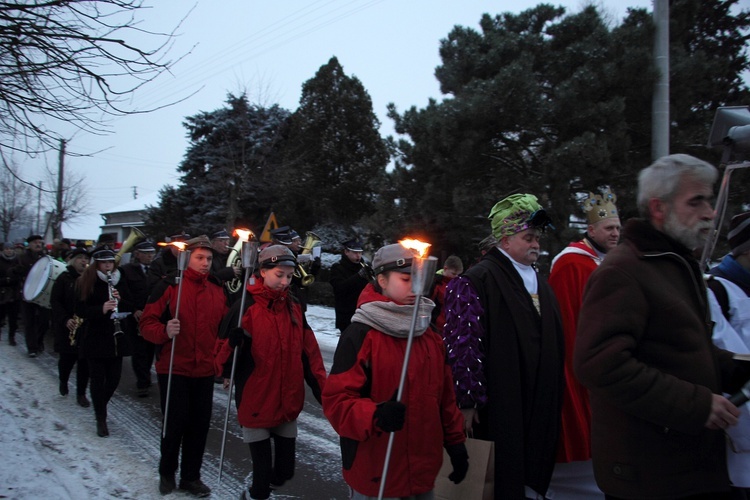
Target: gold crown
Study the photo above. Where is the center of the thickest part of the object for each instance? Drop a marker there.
(600, 206)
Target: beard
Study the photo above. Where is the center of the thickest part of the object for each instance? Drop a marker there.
(691, 237)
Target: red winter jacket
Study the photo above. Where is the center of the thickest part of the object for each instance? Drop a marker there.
(202, 306)
(366, 371)
(271, 386)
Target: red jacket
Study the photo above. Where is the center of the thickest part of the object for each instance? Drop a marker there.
(366, 371)
(202, 306)
(271, 386)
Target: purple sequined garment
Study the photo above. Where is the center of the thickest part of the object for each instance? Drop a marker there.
(463, 335)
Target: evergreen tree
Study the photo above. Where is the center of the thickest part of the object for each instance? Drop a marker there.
(335, 157)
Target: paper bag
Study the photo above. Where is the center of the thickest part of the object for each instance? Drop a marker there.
(479, 483)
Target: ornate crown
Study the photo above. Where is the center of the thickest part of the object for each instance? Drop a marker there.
(600, 206)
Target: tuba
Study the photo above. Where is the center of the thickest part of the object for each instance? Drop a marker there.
(135, 236)
(311, 240)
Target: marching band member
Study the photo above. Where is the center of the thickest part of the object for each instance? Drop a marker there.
(165, 263)
(35, 317)
(193, 336)
(10, 291)
(348, 278)
(99, 291)
(136, 274)
(65, 323)
(278, 353)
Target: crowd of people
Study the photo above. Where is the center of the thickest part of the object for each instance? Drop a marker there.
(610, 378)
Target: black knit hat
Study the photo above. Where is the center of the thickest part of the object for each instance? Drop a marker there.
(739, 233)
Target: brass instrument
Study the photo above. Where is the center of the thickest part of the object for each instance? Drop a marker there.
(368, 271)
(72, 335)
(134, 237)
(115, 313)
(234, 259)
(311, 240)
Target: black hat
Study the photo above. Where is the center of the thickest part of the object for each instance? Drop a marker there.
(283, 235)
(223, 234)
(392, 257)
(145, 246)
(75, 253)
(178, 237)
(276, 255)
(34, 237)
(739, 233)
(353, 245)
(294, 234)
(201, 241)
(103, 253)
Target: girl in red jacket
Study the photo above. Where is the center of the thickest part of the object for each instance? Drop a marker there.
(359, 399)
(278, 354)
(194, 333)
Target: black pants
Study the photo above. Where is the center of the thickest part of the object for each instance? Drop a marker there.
(105, 377)
(141, 360)
(10, 311)
(65, 366)
(35, 325)
(190, 404)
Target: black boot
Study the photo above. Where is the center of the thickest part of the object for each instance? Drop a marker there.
(101, 427)
(283, 466)
(261, 454)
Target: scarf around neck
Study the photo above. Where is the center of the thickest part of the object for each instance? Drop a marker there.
(394, 319)
(115, 276)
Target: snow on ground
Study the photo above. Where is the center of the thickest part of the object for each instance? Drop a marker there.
(49, 447)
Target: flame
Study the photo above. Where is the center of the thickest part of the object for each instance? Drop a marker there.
(419, 247)
(181, 245)
(243, 234)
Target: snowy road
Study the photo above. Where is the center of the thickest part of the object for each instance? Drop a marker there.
(50, 449)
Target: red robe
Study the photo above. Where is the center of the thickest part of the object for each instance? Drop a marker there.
(571, 270)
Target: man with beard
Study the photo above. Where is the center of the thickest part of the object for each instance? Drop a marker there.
(348, 278)
(644, 348)
(35, 317)
(505, 344)
(574, 474)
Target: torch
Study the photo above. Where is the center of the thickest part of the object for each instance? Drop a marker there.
(248, 253)
(422, 271)
(183, 257)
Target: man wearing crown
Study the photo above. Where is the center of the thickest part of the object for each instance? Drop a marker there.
(505, 342)
(571, 269)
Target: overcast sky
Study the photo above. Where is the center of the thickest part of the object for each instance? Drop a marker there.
(269, 49)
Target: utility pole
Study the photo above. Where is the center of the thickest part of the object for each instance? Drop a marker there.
(38, 207)
(57, 227)
(660, 102)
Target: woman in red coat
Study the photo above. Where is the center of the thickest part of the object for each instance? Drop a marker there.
(194, 333)
(278, 354)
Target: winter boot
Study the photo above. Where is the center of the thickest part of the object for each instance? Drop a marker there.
(260, 452)
(283, 467)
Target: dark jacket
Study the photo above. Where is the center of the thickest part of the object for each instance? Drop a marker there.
(96, 338)
(163, 265)
(138, 288)
(202, 306)
(644, 351)
(519, 398)
(63, 303)
(10, 282)
(347, 285)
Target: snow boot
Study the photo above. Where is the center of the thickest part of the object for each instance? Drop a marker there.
(260, 452)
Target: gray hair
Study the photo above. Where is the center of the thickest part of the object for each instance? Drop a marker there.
(662, 178)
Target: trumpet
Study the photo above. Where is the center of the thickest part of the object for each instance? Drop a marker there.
(72, 335)
(115, 313)
(367, 271)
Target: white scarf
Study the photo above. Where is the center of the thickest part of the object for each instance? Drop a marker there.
(115, 277)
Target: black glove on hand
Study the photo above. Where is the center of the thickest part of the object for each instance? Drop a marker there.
(390, 416)
(459, 461)
(236, 336)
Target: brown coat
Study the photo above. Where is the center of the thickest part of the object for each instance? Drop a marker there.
(644, 351)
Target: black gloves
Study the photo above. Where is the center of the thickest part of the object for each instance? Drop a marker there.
(459, 461)
(236, 336)
(390, 415)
